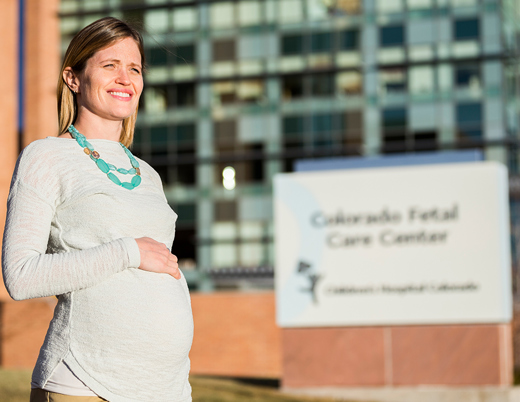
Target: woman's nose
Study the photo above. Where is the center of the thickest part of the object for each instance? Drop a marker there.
(122, 77)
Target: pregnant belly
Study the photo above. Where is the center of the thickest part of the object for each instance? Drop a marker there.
(134, 318)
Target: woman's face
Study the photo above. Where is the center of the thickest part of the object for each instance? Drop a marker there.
(112, 81)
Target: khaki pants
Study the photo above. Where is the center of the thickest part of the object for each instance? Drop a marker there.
(39, 395)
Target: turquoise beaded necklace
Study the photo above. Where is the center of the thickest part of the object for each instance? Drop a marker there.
(107, 168)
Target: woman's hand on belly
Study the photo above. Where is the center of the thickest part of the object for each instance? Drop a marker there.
(155, 257)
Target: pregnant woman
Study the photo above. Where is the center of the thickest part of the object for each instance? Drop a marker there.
(87, 221)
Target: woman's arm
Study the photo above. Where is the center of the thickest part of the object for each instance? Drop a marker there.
(29, 272)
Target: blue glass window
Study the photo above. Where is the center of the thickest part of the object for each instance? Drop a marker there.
(160, 56)
(321, 42)
(322, 122)
(467, 74)
(159, 135)
(293, 44)
(394, 118)
(138, 135)
(394, 130)
(185, 133)
(469, 120)
(323, 127)
(137, 142)
(391, 36)
(184, 54)
(293, 125)
(187, 213)
(322, 84)
(467, 29)
(349, 39)
(294, 128)
(157, 56)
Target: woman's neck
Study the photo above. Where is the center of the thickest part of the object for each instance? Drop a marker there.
(98, 128)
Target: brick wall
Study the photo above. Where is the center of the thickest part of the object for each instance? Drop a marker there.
(42, 67)
(42, 61)
(23, 325)
(8, 104)
(235, 335)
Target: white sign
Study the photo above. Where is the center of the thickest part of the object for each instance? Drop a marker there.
(406, 245)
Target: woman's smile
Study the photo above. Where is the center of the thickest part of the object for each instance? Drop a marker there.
(121, 94)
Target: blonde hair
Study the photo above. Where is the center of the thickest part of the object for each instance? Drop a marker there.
(94, 37)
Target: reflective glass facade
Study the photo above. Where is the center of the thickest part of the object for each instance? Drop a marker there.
(253, 85)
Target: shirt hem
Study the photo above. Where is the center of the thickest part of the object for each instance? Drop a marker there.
(101, 390)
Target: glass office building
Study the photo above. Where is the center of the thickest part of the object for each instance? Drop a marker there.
(236, 91)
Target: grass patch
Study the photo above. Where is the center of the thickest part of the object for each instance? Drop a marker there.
(224, 390)
(15, 387)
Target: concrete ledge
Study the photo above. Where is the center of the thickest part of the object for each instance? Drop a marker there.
(413, 394)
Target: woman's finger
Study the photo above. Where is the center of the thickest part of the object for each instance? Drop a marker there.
(173, 262)
(171, 266)
(175, 272)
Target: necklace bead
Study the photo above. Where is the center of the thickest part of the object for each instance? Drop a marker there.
(108, 168)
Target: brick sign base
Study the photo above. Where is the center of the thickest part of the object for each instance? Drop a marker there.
(453, 355)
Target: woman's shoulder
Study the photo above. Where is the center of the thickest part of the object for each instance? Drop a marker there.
(41, 158)
(146, 167)
(39, 149)
(39, 167)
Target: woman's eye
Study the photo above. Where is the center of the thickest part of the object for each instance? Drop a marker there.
(109, 65)
(136, 70)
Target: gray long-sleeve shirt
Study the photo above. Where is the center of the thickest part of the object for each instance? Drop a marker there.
(70, 231)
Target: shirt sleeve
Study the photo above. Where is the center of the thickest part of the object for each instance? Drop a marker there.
(29, 272)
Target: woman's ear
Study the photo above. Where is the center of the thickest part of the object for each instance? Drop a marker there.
(71, 79)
